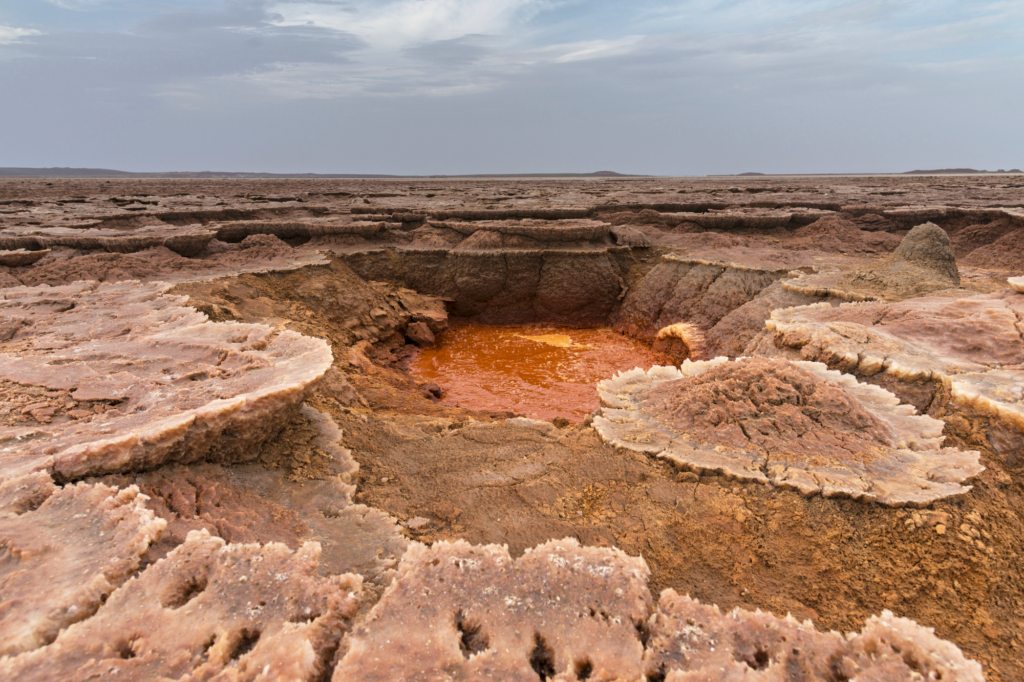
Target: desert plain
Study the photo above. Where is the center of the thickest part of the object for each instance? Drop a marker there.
(219, 461)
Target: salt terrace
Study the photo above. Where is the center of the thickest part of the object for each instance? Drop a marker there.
(216, 462)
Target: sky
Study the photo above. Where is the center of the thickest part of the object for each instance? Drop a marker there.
(691, 87)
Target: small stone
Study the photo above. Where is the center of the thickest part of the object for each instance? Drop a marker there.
(417, 522)
(80, 414)
(420, 334)
(560, 422)
(44, 415)
(940, 529)
(384, 479)
(687, 477)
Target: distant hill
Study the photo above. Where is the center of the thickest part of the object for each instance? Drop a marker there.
(958, 171)
(89, 173)
(744, 175)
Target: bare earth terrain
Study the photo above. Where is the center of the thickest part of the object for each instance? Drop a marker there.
(216, 461)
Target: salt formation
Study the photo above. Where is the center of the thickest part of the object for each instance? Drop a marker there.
(135, 379)
(691, 642)
(245, 611)
(300, 490)
(792, 424)
(680, 341)
(458, 611)
(934, 352)
(923, 263)
(566, 612)
(1017, 284)
(58, 562)
(21, 257)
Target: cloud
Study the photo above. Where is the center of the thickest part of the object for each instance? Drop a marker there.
(424, 85)
(9, 34)
(454, 52)
(396, 24)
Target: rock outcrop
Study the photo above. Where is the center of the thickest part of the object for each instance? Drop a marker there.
(693, 291)
(923, 263)
(563, 612)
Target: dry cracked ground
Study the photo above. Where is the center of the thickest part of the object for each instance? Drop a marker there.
(214, 463)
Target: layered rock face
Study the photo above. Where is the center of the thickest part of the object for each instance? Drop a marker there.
(791, 424)
(696, 292)
(134, 379)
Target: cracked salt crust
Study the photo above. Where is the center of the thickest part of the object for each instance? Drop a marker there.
(890, 455)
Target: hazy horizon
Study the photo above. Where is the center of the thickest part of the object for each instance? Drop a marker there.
(452, 87)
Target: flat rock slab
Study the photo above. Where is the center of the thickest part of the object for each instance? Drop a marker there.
(792, 424)
(692, 642)
(60, 561)
(209, 608)
(171, 385)
(458, 611)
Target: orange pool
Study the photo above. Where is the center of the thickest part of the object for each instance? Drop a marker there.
(539, 372)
